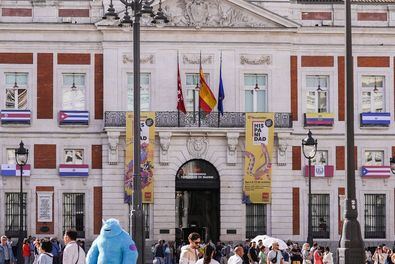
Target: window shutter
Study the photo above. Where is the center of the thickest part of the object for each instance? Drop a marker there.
(98, 86)
(44, 86)
(294, 88)
(295, 211)
(341, 88)
(44, 156)
(341, 191)
(97, 209)
(96, 156)
(340, 158)
(296, 158)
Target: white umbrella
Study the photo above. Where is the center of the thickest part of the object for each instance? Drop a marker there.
(260, 237)
(270, 240)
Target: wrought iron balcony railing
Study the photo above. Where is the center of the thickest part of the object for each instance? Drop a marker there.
(190, 119)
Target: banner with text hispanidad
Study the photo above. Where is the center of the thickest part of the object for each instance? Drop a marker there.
(258, 157)
(147, 141)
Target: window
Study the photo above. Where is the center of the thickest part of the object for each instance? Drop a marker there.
(146, 210)
(320, 158)
(145, 83)
(255, 92)
(375, 216)
(317, 93)
(16, 90)
(11, 156)
(73, 89)
(373, 94)
(73, 212)
(374, 158)
(255, 220)
(320, 215)
(12, 212)
(73, 156)
(192, 82)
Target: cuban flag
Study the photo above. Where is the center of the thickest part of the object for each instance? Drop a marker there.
(73, 117)
(74, 170)
(16, 117)
(14, 170)
(375, 119)
(376, 171)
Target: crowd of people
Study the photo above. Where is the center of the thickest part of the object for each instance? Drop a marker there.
(44, 250)
(381, 255)
(198, 252)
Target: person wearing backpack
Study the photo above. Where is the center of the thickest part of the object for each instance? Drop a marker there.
(274, 256)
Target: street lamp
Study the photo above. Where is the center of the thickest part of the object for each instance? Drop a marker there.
(21, 156)
(138, 9)
(309, 146)
(351, 246)
(392, 165)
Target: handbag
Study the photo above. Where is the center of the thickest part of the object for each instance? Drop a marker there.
(274, 260)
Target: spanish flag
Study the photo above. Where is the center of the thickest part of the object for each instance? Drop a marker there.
(207, 99)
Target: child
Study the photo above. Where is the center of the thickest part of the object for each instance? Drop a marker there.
(45, 256)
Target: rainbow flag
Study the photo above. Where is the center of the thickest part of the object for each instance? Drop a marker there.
(207, 99)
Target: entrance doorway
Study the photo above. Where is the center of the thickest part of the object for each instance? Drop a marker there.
(198, 201)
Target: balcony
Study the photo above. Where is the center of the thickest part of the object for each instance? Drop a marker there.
(173, 119)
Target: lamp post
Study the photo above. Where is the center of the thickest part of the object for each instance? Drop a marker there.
(138, 9)
(309, 146)
(351, 249)
(21, 156)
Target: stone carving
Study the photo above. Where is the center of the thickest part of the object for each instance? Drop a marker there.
(254, 60)
(197, 146)
(195, 59)
(282, 146)
(164, 139)
(210, 13)
(231, 153)
(113, 141)
(144, 59)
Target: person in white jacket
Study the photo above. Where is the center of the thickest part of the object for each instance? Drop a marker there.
(328, 256)
(73, 253)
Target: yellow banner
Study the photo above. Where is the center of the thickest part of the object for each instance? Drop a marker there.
(258, 158)
(147, 141)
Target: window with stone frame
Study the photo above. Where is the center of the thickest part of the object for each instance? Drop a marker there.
(10, 154)
(374, 158)
(317, 94)
(73, 212)
(16, 91)
(375, 216)
(373, 93)
(255, 220)
(320, 206)
(145, 87)
(320, 158)
(192, 84)
(255, 92)
(73, 156)
(74, 91)
(12, 212)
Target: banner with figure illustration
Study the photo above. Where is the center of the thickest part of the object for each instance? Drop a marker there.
(259, 138)
(147, 141)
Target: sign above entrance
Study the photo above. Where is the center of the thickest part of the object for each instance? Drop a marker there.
(197, 174)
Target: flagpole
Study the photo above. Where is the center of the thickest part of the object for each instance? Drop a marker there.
(178, 74)
(200, 81)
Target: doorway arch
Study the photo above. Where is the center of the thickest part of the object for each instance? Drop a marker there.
(198, 200)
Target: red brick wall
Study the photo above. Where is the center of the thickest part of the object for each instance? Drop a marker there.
(340, 158)
(97, 209)
(294, 88)
(295, 211)
(16, 12)
(316, 16)
(50, 225)
(96, 156)
(73, 13)
(296, 158)
(365, 61)
(16, 58)
(341, 97)
(99, 86)
(74, 58)
(44, 86)
(370, 16)
(44, 156)
(317, 61)
(341, 191)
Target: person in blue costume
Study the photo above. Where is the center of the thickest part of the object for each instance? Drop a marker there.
(112, 246)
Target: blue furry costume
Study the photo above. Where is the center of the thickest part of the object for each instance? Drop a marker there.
(112, 246)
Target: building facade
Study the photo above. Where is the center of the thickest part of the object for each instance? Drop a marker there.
(66, 76)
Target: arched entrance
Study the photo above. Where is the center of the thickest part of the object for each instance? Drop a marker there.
(198, 200)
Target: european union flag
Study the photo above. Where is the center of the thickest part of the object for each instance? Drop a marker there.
(221, 93)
